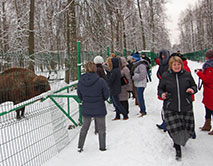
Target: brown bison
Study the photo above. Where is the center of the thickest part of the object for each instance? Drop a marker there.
(20, 84)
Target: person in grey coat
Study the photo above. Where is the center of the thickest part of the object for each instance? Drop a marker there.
(93, 92)
(140, 80)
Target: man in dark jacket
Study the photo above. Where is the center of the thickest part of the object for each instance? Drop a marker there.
(93, 92)
(115, 89)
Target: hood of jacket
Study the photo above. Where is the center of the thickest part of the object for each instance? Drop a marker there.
(208, 64)
(88, 79)
(166, 58)
(123, 62)
(115, 62)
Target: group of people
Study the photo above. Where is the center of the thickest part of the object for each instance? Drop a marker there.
(103, 80)
(117, 78)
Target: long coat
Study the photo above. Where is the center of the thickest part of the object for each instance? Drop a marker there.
(124, 95)
(114, 79)
(163, 67)
(178, 112)
(92, 91)
(176, 84)
(207, 77)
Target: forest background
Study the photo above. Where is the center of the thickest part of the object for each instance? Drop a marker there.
(31, 28)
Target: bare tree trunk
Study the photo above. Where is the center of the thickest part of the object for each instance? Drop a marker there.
(1, 43)
(112, 33)
(31, 35)
(71, 63)
(117, 29)
(152, 24)
(67, 63)
(142, 26)
(124, 35)
(5, 29)
(19, 38)
(73, 33)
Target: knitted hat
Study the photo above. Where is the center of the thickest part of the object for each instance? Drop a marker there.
(136, 57)
(209, 54)
(98, 60)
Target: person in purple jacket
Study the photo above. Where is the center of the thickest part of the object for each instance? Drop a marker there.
(93, 92)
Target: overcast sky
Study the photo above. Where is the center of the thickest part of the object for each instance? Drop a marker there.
(174, 9)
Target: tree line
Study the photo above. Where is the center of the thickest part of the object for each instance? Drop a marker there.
(32, 27)
(196, 27)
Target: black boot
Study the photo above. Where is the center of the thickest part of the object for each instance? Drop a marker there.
(102, 141)
(178, 151)
(162, 126)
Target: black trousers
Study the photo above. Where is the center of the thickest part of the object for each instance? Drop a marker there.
(208, 113)
(125, 104)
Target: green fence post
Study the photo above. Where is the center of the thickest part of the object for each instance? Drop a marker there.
(124, 52)
(133, 51)
(68, 103)
(79, 74)
(108, 53)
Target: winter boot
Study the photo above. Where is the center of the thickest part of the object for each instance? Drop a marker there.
(194, 135)
(102, 141)
(211, 133)
(162, 126)
(81, 141)
(178, 151)
(207, 125)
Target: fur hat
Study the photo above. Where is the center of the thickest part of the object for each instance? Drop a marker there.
(209, 54)
(136, 56)
(98, 60)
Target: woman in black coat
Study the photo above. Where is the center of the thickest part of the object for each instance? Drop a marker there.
(93, 92)
(115, 89)
(176, 88)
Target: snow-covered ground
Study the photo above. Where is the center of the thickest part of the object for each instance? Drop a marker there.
(137, 141)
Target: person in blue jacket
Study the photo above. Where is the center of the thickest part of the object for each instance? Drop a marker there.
(93, 92)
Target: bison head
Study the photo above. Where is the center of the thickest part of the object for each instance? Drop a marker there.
(40, 84)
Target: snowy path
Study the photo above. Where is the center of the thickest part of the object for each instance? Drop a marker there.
(137, 141)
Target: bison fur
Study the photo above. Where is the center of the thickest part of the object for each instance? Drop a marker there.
(20, 84)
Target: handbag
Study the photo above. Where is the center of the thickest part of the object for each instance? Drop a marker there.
(124, 81)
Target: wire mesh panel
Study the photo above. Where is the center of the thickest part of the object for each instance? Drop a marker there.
(36, 138)
(40, 129)
(196, 56)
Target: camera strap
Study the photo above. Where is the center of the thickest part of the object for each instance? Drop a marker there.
(200, 83)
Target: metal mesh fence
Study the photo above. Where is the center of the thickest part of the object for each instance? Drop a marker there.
(43, 132)
(196, 56)
(33, 140)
